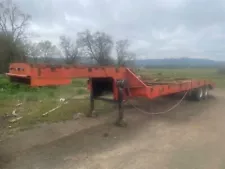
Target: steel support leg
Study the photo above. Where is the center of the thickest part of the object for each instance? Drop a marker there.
(92, 105)
(120, 120)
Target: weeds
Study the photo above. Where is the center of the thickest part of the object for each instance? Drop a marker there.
(36, 101)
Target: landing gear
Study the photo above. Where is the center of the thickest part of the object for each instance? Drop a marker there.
(91, 112)
(120, 120)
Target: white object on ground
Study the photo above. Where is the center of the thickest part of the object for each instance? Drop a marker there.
(14, 113)
(46, 113)
(15, 119)
(19, 104)
(77, 116)
(62, 99)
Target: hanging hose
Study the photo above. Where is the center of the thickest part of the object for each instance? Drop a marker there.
(163, 112)
(157, 113)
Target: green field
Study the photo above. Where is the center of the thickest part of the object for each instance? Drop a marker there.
(36, 101)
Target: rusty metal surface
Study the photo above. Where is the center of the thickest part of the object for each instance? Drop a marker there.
(148, 80)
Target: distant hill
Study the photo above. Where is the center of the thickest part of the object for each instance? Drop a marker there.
(168, 63)
(179, 62)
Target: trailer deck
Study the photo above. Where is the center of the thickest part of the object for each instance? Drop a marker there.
(122, 82)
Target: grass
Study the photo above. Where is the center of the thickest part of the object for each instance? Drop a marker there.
(33, 112)
(24, 92)
(36, 101)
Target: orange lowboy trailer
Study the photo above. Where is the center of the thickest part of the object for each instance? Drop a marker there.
(122, 82)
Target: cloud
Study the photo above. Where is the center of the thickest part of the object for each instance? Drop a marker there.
(156, 28)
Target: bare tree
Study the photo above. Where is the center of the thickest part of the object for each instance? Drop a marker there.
(97, 46)
(47, 51)
(33, 52)
(10, 52)
(70, 50)
(13, 21)
(124, 56)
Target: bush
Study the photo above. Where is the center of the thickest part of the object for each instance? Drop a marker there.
(12, 88)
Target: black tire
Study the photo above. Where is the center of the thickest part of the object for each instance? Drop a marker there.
(189, 95)
(198, 94)
(205, 92)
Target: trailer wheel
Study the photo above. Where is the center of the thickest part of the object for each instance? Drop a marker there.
(198, 94)
(190, 95)
(205, 92)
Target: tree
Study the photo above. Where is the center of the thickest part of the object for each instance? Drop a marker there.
(10, 52)
(47, 51)
(70, 50)
(124, 56)
(97, 46)
(13, 21)
(32, 52)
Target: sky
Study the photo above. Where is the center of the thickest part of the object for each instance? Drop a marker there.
(156, 28)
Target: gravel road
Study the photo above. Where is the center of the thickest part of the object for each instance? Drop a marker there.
(189, 137)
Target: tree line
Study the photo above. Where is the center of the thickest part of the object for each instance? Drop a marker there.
(16, 44)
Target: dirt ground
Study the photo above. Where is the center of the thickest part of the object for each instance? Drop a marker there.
(189, 137)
